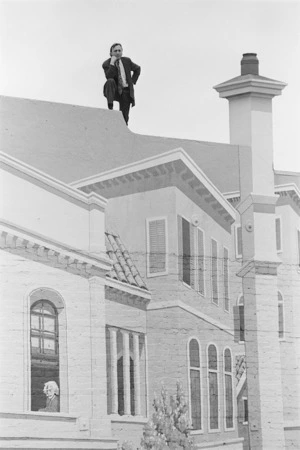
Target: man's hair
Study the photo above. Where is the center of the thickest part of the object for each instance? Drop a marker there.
(113, 46)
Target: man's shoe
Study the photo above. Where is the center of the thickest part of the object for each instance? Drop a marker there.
(110, 106)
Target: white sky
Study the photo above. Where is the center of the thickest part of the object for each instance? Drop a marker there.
(53, 50)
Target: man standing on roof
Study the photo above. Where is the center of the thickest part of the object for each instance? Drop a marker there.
(119, 84)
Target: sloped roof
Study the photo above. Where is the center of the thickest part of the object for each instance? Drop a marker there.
(72, 142)
(240, 366)
(123, 268)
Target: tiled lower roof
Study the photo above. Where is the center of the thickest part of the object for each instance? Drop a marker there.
(123, 269)
(240, 366)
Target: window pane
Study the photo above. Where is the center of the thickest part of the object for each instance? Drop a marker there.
(229, 403)
(227, 357)
(194, 353)
(48, 309)
(49, 346)
(35, 344)
(186, 249)
(280, 320)
(245, 410)
(195, 399)
(213, 401)
(49, 324)
(212, 358)
(35, 322)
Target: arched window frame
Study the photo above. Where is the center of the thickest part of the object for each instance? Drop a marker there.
(213, 430)
(232, 390)
(281, 304)
(200, 430)
(33, 295)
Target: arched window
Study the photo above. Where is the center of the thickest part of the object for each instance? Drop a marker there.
(242, 318)
(228, 389)
(213, 387)
(195, 384)
(44, 350)
(280, 316)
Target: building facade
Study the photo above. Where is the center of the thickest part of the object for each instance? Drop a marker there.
(133, 261)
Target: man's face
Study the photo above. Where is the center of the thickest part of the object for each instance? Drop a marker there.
(117, 51)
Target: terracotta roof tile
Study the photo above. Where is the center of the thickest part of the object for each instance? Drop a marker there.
(240, 366)
(123, 267)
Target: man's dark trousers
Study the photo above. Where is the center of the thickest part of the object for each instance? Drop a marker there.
(124, 99)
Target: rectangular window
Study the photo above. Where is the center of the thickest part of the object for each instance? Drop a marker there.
(186, 251)
(226, 279)
(214, 271)
(238, 241)
(156, 247)
(201, 268)
(278, 234)
(242, 323)
(196, 399)
(245, 404)
(213, 401)
(228, 400)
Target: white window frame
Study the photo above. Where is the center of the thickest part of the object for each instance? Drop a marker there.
(232, 390)
(217, 273)
(283, 316)
(213, 430)
(165, 272)
(228, 288)
(237, 255)
(201, 430)
(197, 263)
(277, 217)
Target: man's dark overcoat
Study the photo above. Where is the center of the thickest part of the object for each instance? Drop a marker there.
(129, 66)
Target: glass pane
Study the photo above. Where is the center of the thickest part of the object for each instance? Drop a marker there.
(37, 308)
(48, 309)
(213, 401)
(212, 357)
(35, 343)
(49, 346)
(186, 249)
(229, 403)
(49, 324)
(194, 353)
(227, 357)
(195, 399)
(35, 322)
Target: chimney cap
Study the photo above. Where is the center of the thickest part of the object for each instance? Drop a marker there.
(249, 64)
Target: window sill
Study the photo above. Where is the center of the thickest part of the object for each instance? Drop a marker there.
(245, 423)
(214, 431)
(39, 415)
(196, 432)
(128, 419)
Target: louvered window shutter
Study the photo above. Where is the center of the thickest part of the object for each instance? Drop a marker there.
(193, 275)
(200, 262)
(186, 246)
(236, 323)
(226, 279)
(180, 249)
(157, 246)
(214, 271)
